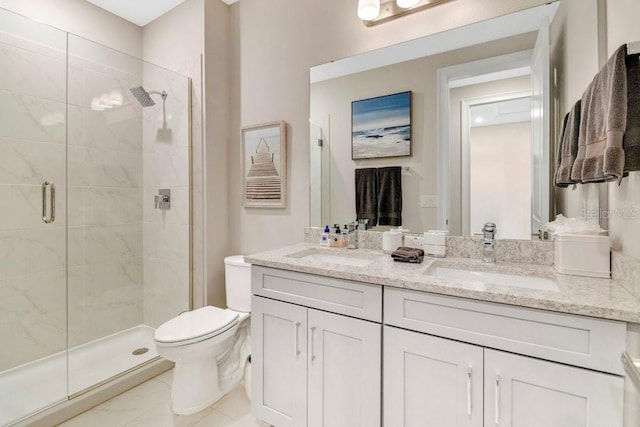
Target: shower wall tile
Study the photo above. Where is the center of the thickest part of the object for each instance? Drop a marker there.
(26, 209)
(169, 243)
(104, 299)
(104, 205)
(26, 33)
(172, 166)
(33, 308)
(163, 279)
(108, 168)
(118, 129)
(25, 162)
(29, 70)
(32, 250)
(166, 165)
(97, 57)
(34, 119)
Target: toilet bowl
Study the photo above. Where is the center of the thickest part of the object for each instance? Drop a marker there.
(209, 345)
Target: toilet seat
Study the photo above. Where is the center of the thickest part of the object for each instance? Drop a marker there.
(194, 326)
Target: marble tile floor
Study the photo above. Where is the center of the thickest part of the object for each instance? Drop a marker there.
(149, 404)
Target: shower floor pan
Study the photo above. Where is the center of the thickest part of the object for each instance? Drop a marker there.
(34, 386)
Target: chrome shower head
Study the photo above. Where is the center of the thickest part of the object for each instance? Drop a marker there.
(142, 96)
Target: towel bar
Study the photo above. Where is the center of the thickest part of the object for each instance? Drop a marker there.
(632, 366)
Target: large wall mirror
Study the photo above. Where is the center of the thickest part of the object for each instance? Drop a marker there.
(484, 101)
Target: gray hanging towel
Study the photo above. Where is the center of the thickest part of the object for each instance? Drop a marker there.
(390, 196)
(631, 142)
(568, 147)
(603, 123)
(367, 195)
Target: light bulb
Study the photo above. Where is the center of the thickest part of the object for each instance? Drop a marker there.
(368, 9)
(405, 4)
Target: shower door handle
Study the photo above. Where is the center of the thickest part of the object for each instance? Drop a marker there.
(48, 219)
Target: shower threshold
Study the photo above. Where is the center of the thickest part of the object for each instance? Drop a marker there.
(31, 387)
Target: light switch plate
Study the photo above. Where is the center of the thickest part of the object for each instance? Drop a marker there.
(428, 201)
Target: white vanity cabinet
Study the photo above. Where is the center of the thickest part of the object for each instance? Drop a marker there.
(424, 375)
(312, 367)
(431, 381)
(324, 355)
(525, 392)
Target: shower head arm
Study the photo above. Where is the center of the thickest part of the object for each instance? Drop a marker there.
(162, 94)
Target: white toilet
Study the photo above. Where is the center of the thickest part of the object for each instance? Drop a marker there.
(209, 345)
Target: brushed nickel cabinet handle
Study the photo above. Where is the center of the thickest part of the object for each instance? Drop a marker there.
(296, 348)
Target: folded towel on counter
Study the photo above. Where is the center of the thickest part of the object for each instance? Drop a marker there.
(367, 195)
(390, 196)
(631, 141)
(406, 254)
(603, 122)
(568, 147)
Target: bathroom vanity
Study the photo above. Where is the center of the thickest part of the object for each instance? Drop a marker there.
(346, 338)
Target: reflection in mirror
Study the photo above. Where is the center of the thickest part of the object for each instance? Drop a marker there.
(445, 182)
(496, 152)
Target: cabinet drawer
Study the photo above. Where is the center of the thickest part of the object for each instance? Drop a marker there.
(575, 340)
(338, 296)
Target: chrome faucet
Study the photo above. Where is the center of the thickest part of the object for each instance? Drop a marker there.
(489, 243)
(351, 234)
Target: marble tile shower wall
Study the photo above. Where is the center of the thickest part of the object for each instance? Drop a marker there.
(105, 176)
(32, 150)
(166, 165)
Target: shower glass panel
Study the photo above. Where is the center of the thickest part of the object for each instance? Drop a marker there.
(128, 259)
(83, 286)
(33, 263)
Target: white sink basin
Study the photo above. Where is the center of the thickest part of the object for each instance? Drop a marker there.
(482, 278)
(337, 259)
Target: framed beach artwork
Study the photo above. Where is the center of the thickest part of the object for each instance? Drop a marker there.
(264, 165)
(381, 127)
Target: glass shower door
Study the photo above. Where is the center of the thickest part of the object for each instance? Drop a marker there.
(33, 259)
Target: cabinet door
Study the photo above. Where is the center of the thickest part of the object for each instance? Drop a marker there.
(344, 371)
(279, 361)
(525, 392)
(430, 381)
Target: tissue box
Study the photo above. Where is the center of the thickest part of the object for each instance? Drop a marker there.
(435, 243)
(582, 255)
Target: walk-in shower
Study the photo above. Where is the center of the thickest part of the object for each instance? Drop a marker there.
(83, 287)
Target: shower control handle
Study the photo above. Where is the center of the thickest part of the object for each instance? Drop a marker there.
(163, 199)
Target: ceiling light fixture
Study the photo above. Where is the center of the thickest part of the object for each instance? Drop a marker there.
(374, 12)
(368, 9)
(405, 4)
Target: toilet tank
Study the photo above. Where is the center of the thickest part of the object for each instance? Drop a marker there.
(237, 275)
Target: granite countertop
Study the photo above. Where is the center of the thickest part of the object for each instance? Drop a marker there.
(602, 298)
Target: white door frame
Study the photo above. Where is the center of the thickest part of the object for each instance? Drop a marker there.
(454, 76)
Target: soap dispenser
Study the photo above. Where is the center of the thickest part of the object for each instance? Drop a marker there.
(325, 237)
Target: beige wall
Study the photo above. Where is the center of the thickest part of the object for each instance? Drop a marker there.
(500, 175)
(276, 42)
(624, 200)
(574, 62)
(216, 65)
(83, 19)
(332, 98)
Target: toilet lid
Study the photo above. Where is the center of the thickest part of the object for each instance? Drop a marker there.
(196, 323)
